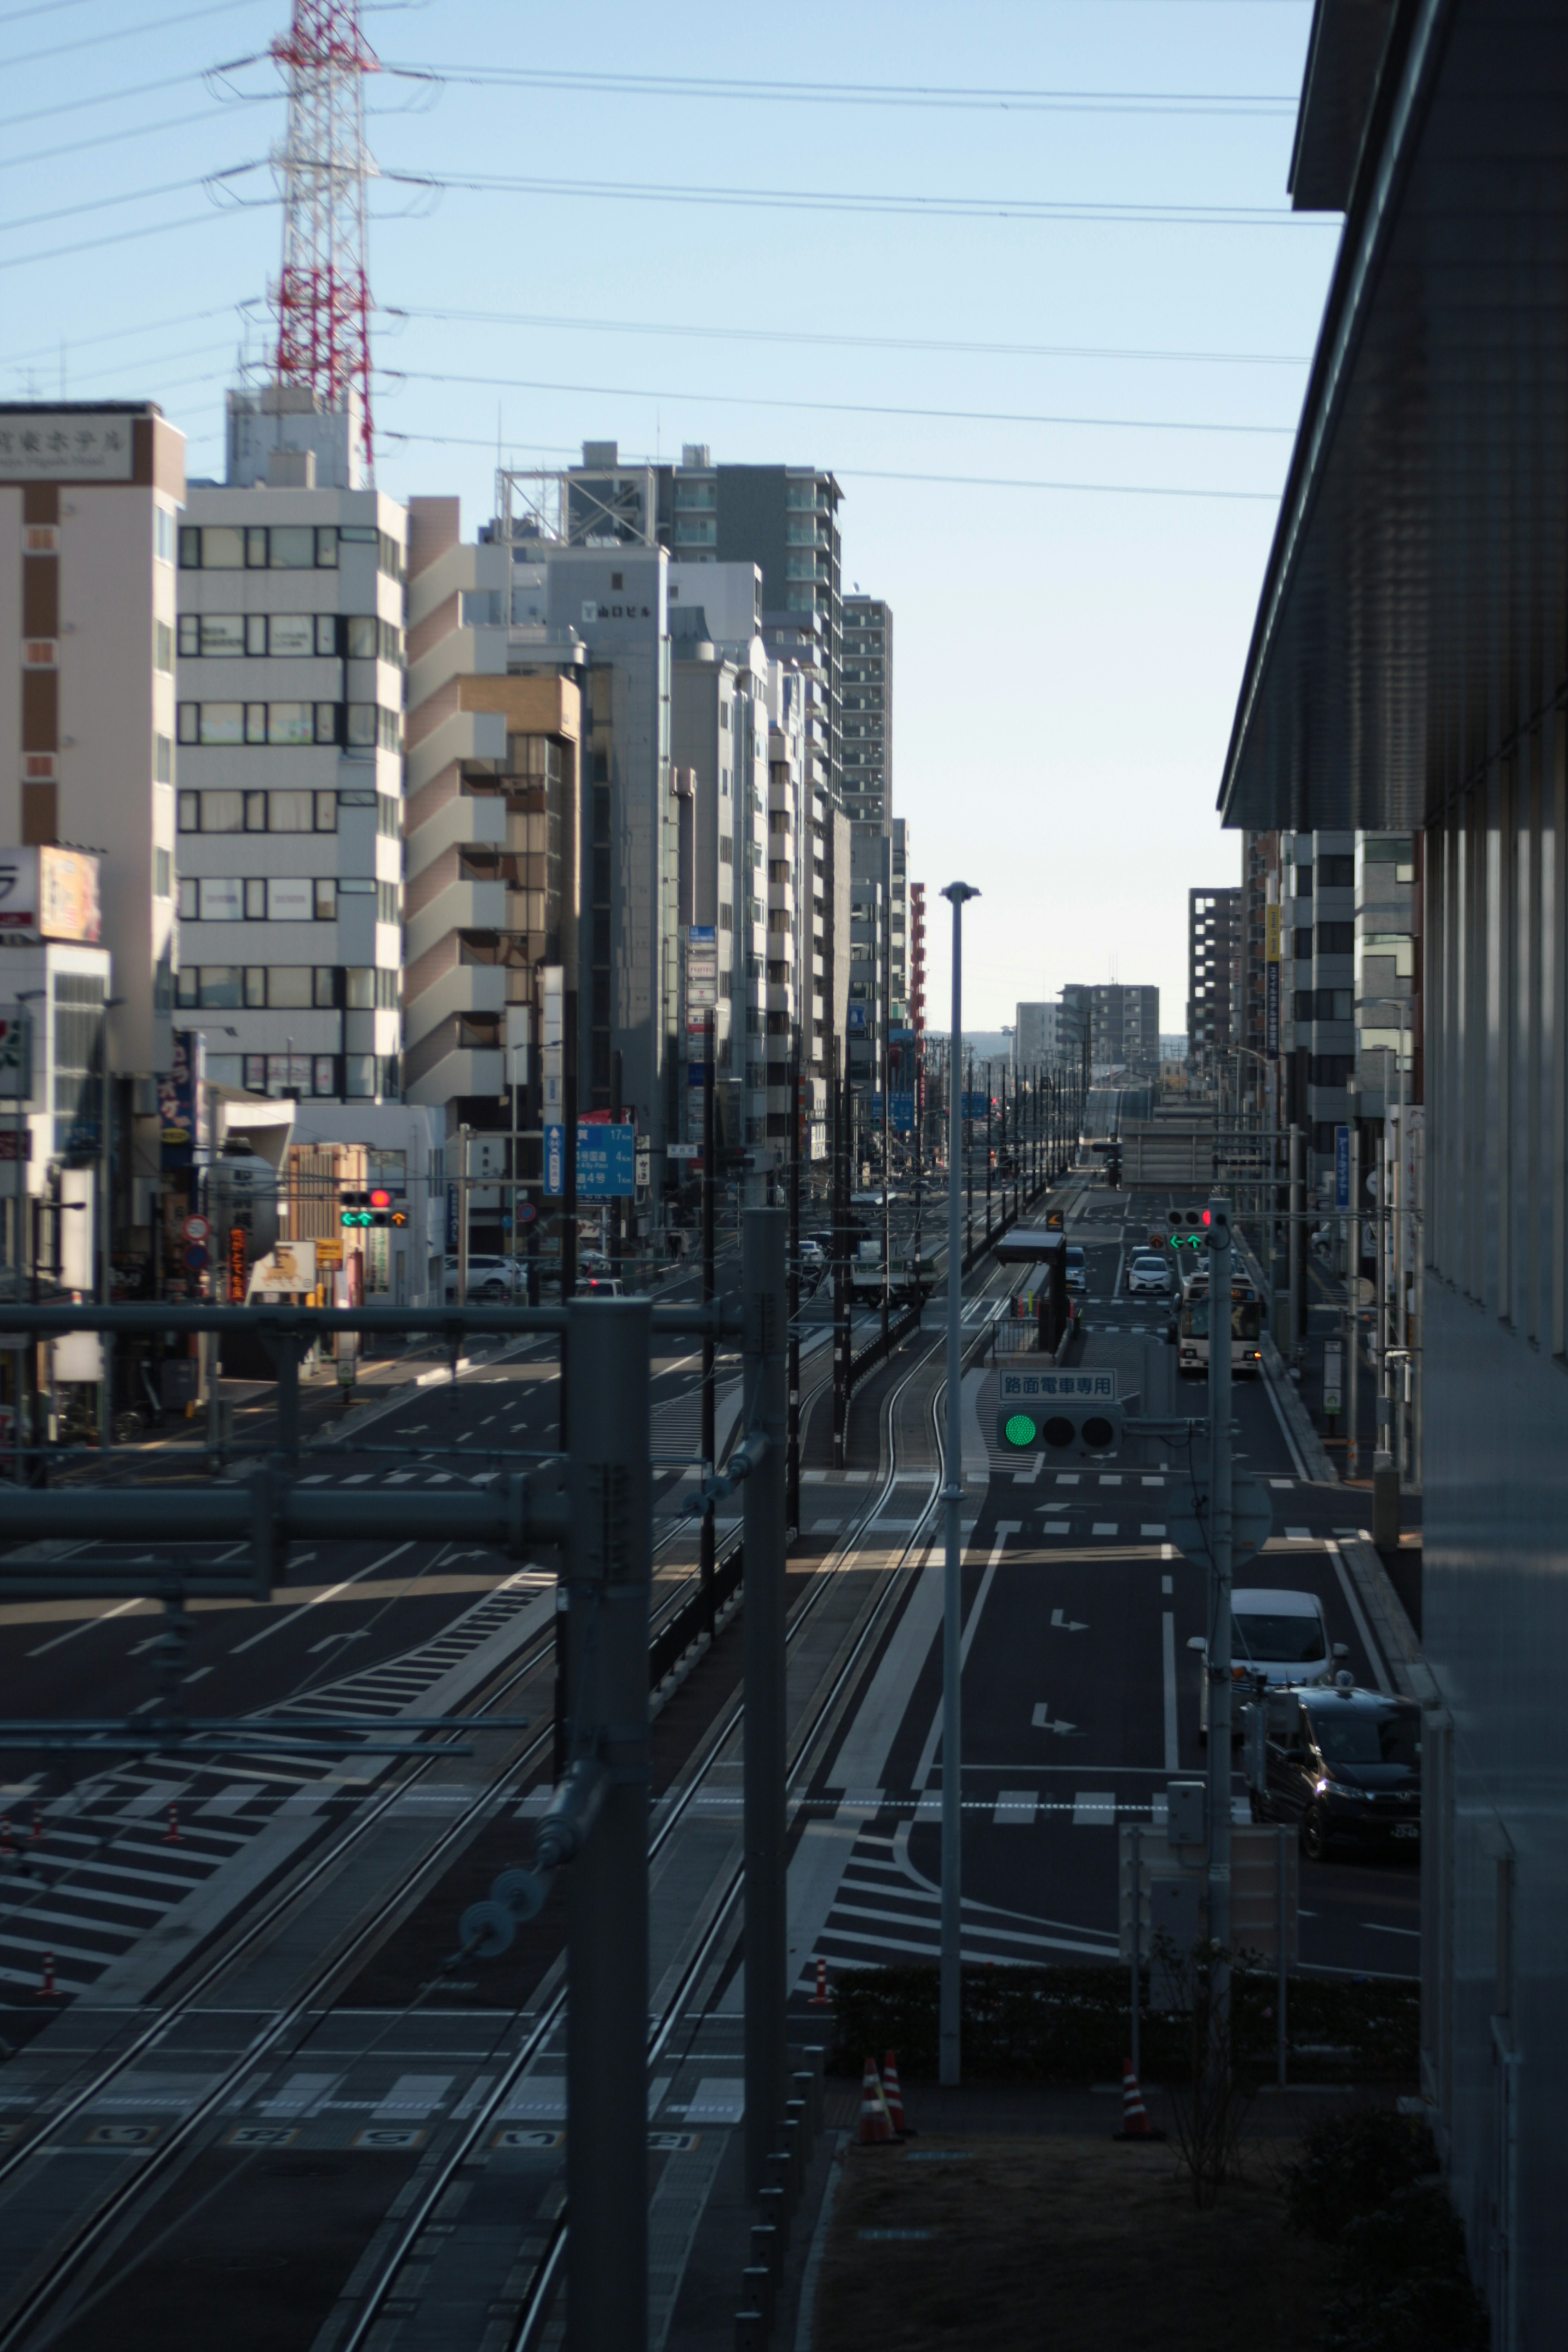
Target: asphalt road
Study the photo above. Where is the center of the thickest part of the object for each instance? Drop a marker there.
(1080, 1694)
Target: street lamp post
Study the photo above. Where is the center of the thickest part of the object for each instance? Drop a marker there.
(952, 1985)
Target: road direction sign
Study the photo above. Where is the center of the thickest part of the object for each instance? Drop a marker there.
(1187, 1517)
(1342, 1167)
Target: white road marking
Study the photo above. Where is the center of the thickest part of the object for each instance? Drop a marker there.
(1094, 1809)
(1287, 1483)
(1152, 1528)
(1292, 1535)
(86, 1626)
(1377, 1927)
(1168, 1654)
(1041, 1719)
(1384, 1680)
(1016, 1808)
(1167, 1584)
(1104, 1528)
(331, 1593)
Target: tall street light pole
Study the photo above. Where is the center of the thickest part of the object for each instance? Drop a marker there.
(952, 1987)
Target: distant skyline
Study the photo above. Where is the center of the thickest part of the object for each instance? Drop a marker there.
(1062, 438)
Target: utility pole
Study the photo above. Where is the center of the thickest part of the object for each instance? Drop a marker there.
(792, 1474)
(766, 1411)
(1295, 1237)
(710, 1292)
(843, 1336)
(1352, 1313)
(950, 1994)
(1217, 1662)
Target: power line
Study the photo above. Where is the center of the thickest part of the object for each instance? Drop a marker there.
(112, 97)
(106, 138)
(123, 33)
(119, 334)
(118, 236)
(827, 407)
(888, 94)
(1026, 208)
(842, 342)
(962, 481)
(132, 196)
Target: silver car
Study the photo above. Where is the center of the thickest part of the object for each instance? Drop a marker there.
(1149, 1272)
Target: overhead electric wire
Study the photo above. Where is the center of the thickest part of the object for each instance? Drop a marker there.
(117, 237)
(119, 334)
(109, 97)
(934, 207)
(106, 138)
(891, 94)
(123, 33)
(128, 196)
(825, 408)
(841, 342)
(869, 474)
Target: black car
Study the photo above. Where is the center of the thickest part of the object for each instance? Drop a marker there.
(1346, 1765)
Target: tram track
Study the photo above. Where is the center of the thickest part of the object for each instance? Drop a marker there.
(73, 2261)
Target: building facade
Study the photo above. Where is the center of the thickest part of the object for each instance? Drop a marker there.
(1214, 972)
(866, 761)
(90, 501)
(289, 724)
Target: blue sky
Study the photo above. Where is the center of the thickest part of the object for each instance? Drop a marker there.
(1068, 657)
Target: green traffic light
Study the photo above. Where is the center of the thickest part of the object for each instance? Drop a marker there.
(1019, 1430)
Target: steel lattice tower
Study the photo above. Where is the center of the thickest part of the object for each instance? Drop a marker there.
(322, 298)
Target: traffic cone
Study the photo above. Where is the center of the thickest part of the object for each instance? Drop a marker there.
(894, 2097)
(819, 1999)
(1135, 2123)
(174, 1836)
(876, 2125)
(47, 1990)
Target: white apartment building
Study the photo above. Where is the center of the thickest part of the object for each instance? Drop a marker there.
(90, 498)
(290, 725)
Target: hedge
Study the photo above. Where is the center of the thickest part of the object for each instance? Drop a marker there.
(1043, 2024)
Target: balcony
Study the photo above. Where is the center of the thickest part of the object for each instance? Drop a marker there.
(463, 735)
(476, 820)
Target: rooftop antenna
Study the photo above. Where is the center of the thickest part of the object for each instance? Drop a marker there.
(322, 297)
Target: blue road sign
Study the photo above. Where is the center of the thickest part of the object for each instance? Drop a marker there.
(1342, 1167)
(606, 1160)
(555, 1160)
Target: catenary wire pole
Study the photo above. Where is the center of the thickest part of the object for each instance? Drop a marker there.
(1218, 1661)
(764, 1417)
(952, 1985)
(606, 1622)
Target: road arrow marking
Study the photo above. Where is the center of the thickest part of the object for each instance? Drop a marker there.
(1041, 1719)
(1067, 1624)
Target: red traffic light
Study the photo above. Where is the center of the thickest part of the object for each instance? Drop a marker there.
(381, 1199)
(1208, 1216)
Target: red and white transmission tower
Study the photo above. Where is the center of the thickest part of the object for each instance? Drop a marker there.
(322, 298)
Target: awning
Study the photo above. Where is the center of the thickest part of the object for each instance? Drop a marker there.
(1415, 612)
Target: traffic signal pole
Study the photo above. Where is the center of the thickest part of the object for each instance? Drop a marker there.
(951, 1989)
(1217, 1662)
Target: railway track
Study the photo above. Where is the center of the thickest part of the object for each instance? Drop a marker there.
(76, 2260)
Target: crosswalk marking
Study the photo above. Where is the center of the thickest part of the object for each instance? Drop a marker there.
(1094, 1809)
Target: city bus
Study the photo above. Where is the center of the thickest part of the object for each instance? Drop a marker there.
(1245, 1329)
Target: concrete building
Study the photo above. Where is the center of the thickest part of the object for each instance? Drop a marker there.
(1123, 1027)
(290, 690)
(89, 499)
(1214, 974)
(866, 761)
(1037, 1036)
(1406, 680)
(492, 820)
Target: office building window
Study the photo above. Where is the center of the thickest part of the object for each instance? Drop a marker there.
(261, 547)
(163, 873)
(163, 760)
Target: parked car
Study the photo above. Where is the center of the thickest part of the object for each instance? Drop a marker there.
(601, 1286)
(1148, 1271)
(1280, 1635)
(491, 1279)
(1343, 1766)
(592, 1261)
(1078, 1267)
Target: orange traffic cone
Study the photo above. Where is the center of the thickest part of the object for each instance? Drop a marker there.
(47, 1990)
(819, 1999)
(894, 2097)
(174, 1836)
(876, 2123)
(1135, 2123)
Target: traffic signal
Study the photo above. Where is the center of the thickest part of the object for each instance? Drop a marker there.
(354, 1209)
(373, 1208)
(1072, 1428)
(1216, 1223)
